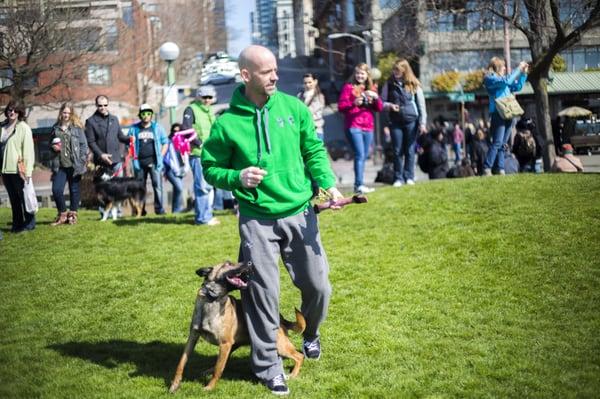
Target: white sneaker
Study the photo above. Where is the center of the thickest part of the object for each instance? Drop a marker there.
(487, 172)
(364, 189)
(397, 183)
(410, 182)
(213, 222)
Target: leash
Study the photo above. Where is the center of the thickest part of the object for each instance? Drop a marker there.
(130, 154)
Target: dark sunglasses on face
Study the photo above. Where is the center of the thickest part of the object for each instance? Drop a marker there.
(207, 97)
(8, 111)
(101, 105)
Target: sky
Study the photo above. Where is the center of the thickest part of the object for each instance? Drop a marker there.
(237, 14)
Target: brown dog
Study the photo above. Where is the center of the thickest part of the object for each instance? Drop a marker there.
(218, 318)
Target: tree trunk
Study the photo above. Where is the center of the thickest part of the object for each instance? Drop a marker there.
(544, 124)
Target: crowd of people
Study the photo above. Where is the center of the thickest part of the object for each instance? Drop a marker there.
(441, 148)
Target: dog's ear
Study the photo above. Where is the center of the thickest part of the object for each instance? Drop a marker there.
(204, 271)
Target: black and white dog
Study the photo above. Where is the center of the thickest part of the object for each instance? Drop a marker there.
(115, 190)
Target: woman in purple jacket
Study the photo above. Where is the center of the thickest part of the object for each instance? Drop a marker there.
(499, 85)
(358, 100)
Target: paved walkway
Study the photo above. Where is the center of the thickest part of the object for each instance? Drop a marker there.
(343, 170)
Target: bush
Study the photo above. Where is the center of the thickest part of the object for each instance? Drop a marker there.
(385, 63)
(473, 80)
(446, 81)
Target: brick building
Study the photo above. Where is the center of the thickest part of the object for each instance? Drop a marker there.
(122, 64)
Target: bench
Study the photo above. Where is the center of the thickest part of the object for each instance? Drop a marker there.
(592, 140)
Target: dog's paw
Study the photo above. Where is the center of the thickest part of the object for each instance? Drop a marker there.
(174, 387)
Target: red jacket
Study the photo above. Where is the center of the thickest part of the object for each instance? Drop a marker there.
(357, 117)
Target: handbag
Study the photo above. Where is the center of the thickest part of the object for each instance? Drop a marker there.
(31, 202)
(508, 107)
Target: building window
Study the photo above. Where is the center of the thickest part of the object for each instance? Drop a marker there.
(82, 39)
(111, 38)
(128, 16)
(581, 58)
(99, 74)
(6, 78)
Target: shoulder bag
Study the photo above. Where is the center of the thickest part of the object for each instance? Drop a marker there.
(508, 107)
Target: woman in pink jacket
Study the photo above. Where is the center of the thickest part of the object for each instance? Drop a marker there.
(358, 100)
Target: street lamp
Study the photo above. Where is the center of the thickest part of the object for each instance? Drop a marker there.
(169, 52)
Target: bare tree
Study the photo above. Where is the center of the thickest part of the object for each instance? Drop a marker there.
(43, 45)
(195, 25)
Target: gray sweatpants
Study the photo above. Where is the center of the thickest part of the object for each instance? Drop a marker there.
(297, 239)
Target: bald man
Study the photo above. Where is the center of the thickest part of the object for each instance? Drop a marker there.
(265, 149)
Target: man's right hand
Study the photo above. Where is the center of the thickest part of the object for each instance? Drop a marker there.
(252, 176)
(106, 158)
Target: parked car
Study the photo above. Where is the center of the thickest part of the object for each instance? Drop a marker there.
(219, 78)
(339, 149)
(220, 73)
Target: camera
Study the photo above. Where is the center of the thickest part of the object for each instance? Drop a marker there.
(366, 99)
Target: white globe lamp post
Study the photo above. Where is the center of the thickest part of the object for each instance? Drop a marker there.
(169, 52)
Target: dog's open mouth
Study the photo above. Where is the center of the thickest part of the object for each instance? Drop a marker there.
(239, 277)
(239, 281)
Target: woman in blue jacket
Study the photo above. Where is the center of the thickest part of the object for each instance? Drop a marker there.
(499, 85)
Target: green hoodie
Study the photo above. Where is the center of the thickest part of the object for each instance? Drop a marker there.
(279, 138)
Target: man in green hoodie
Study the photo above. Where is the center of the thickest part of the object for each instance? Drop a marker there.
(265, 149)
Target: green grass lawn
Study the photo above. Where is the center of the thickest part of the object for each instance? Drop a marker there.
(459, 288)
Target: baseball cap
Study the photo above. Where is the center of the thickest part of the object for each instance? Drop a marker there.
(146, 107)
(206, 91)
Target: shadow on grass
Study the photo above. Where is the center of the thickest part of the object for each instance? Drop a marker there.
(153, 359)
(185, 219)
(158, 219)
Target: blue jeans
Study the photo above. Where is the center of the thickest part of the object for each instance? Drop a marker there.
(456, 147)
(500, 130)
(220, 197)
(361, 142)
(59, 179)
(203, 193)
(403, 140)
(157, 187)
(177, 182)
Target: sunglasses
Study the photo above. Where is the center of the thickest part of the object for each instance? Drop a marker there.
(101, 105)
(8, 111)
(145, 113)
(207, 97)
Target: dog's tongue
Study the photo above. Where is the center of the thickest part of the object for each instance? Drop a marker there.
(236, 281)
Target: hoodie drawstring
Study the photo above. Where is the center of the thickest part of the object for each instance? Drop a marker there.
(259, 132)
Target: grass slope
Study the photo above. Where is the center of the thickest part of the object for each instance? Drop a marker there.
(464, 288)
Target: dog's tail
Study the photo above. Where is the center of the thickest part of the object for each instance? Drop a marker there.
(298, 326)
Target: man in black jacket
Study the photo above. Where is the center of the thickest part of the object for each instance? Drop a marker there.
(103, 134)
